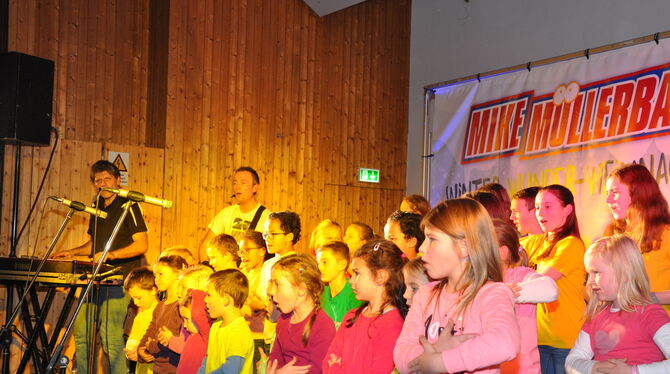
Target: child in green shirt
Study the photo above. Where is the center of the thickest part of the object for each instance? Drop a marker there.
(338, 298)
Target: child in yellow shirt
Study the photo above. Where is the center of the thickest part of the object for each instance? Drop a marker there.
(231, 345)
(139, 285)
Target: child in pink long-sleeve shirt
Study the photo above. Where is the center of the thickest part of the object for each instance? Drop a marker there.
(364, 342)
(192, 342)
(464, 321)
(529, 288)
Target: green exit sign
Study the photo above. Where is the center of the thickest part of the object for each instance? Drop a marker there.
(368, 175)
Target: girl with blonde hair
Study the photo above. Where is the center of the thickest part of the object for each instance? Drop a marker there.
(325, 231)
(624, 330)
(356, 235)
(467, 311)
(304, 330)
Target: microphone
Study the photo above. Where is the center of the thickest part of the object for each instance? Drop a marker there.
(77, 205)
(139, 197)
(115, 271)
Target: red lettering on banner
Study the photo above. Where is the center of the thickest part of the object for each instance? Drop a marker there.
(623, 95)
(475, 128)
(540, 126)
(589, 112)
(606, 112)
(573, 126)
(641, 109)
(517, 122)
(495, 128)
(502, 133)
(560, 125)
(661, 115)
(602, 113)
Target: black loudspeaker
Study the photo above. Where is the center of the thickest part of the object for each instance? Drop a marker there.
(26, 93)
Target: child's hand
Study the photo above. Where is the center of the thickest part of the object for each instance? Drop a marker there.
(262, 361)
(272, 367)
(429, 361)
(613, 366)
(289, 368)
(602, 367)
(516, 289)
(164, 335)
(143, 354)
(334, 360)
(446, 340)
(131, 354)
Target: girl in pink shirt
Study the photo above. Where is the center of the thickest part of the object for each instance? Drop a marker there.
(529, 288)
(304, 330)
(364, 342)
(624, 332)
(465, 320)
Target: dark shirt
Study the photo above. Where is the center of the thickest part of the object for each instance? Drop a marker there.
(133, 224)
(165, 360)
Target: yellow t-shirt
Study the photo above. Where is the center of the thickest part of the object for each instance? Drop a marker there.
(140, 325)
(524, 240)
(559, 322)
(233, 339)
(657, 264)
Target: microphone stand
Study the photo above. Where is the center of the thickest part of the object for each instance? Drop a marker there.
(59, 348)
(5, 333)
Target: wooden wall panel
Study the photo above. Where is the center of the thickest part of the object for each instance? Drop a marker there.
(100, 49)
(305, 100)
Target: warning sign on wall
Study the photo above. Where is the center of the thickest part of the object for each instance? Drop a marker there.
(122, 161)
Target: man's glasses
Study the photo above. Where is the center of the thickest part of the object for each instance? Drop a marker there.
(98, 182)
(267, 235)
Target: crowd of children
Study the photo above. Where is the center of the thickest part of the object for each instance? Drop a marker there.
(481, 283)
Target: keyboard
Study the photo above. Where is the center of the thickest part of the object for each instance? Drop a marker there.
(65, 272)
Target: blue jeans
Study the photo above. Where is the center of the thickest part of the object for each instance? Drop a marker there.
(552, 360)
(110, 310)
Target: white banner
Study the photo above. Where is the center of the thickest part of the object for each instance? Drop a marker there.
(569, 123)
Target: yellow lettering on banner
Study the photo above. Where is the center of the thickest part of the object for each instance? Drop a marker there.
(515, 185)
(532, 180)
(570, 174)
(662, 171)
(555, 176)
(544, 177)
(593, 178)
(607, 169)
